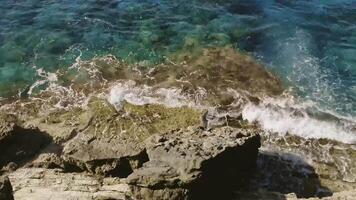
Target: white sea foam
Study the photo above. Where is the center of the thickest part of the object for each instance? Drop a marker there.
(282, 116)
(65, 97)
(140, 95)
(46, 77)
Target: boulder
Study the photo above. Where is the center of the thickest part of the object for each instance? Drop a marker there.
(196, 164)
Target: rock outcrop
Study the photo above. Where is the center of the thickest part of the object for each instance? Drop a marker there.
(5, 189)
(18, 144)
(44, 184)
(170, 132)
(196, 164)
(113, 143)
(323, 165)
(187, 163)
(155, 152)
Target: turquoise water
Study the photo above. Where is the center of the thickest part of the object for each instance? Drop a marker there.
(311, 44)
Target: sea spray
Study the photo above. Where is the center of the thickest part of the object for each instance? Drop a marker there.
(280, 116)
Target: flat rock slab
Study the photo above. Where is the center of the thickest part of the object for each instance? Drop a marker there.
(51, 184)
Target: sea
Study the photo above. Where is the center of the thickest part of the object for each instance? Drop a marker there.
(309, 44)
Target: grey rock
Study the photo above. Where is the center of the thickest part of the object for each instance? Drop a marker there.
(191, 163)
(18, 144)
(103, 155)
(113, 142)
(44, 184)
(48, 161)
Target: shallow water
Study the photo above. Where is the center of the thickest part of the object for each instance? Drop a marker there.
(310, 44)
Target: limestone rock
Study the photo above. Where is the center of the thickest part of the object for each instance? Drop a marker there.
(332, 162)
(195, 164)
(44, 184)
(113, 142)
(48, 161)
(18, 144)
(7, 125)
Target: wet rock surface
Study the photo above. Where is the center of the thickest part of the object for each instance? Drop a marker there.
(331, 162)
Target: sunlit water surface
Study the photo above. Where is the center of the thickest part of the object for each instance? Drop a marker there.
(310, 44)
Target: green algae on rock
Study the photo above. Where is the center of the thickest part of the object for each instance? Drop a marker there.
(139, 120)
(113, 141)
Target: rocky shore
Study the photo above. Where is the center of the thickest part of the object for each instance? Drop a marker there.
(175, 132)
(180, 163)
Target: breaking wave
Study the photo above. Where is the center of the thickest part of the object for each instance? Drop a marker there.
(285, 116)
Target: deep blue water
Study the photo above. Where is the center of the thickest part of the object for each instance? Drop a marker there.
(311, 44)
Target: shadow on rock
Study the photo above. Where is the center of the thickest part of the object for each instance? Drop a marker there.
(194, 164)
(287, 173)
(20, 145)
(230, 170)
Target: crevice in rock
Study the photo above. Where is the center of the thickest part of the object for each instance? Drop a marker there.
(122, 167)
(123, 170)
(138, 160)
(223, 174)
(113, 167)
(22, 145)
